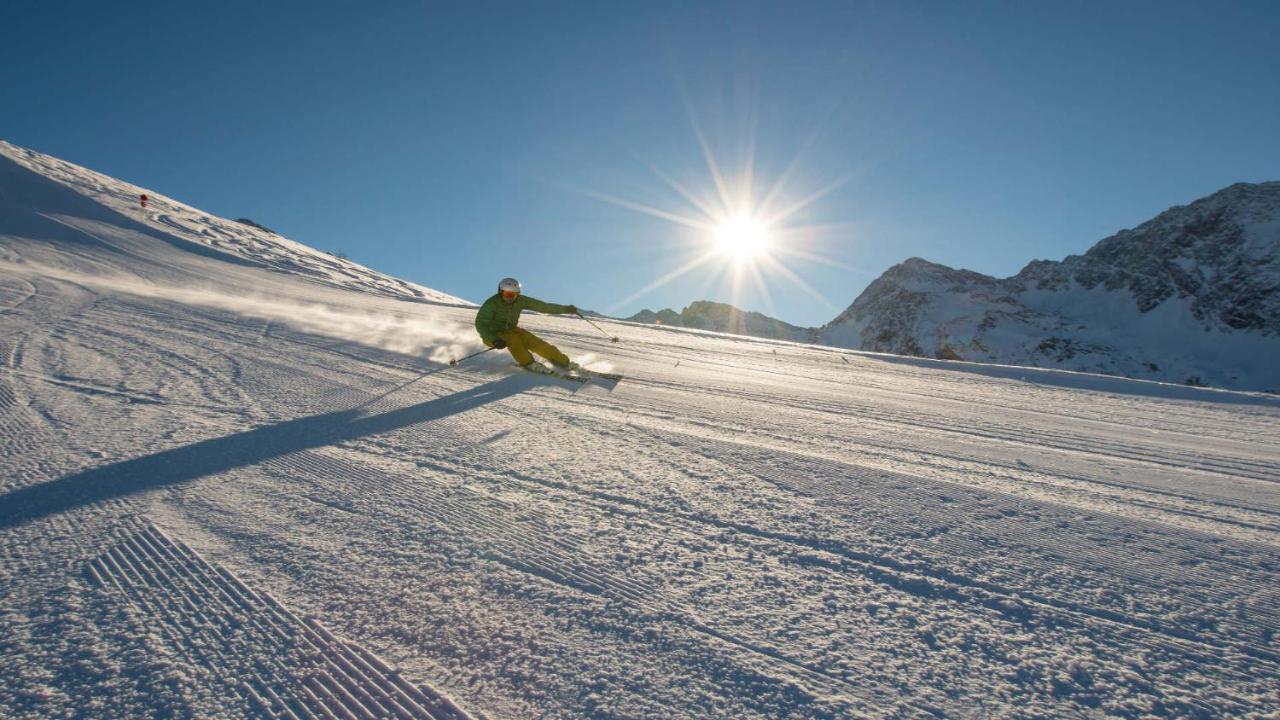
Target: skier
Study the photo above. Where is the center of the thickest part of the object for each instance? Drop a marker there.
(144, 201)
(497, 323)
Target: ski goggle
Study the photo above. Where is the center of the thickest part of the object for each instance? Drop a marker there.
(509, 294)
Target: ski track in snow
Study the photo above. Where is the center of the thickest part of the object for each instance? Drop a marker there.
(206, 514)
(274, 663)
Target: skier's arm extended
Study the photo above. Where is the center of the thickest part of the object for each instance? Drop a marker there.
(537, 305)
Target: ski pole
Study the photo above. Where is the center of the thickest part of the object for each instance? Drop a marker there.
(478, 352)
(411, 381)
(612, 338)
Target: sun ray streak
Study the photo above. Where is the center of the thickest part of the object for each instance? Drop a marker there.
(811, 230)
(748, 174)
(813, 257)
(712, 281)
(763, 287)
(735, 287)
(684, 192)
(780, 185)
(707, 155)
(649, 210)
(786, 272)
(683, 269)
(806, 202)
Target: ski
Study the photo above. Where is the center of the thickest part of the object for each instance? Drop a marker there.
(582, 375)
(578, 375)
(592, 374)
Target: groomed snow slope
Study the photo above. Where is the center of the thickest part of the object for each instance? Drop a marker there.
(57, 200)
(231, 492)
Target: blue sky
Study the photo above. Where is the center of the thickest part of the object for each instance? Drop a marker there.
(455, 143)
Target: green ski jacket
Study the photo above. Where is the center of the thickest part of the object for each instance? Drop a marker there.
(496, 316)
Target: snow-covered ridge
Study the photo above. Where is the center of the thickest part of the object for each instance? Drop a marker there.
(721, 317)
(1191, 296)
(223, 238)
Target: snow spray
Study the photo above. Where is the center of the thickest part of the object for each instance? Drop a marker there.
(440, 340)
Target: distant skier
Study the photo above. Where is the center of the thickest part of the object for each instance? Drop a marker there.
(144, 201)
(497, 323)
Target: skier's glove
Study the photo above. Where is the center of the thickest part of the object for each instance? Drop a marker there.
(572, 309)
(498, 344)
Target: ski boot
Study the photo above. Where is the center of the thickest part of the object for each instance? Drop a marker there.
(571, 370)
(537, 368)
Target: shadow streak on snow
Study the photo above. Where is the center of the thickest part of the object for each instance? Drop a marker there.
(210, 457)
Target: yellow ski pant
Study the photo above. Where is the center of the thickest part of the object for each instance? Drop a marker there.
(521, 342)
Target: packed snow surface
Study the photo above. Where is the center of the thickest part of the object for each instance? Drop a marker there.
(236, 490)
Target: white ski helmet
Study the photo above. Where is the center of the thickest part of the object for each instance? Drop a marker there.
(509, 285)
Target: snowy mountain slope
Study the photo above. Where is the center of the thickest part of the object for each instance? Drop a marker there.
(720, 317)
(226, 504)
(1191, 296)
(58, 192)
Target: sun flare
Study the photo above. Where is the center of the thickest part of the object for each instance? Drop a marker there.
(736, 232)
(742, 237)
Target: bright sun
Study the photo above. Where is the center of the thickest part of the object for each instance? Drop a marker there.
(742, 237)
(737, 230)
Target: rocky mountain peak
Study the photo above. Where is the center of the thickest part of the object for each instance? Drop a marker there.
(1176, 284)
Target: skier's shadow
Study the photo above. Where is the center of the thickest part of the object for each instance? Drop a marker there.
(210, 457)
